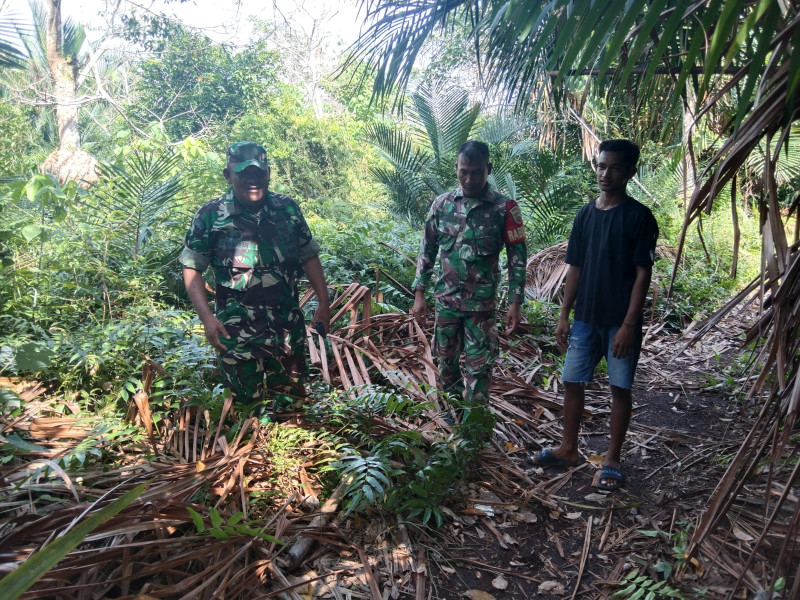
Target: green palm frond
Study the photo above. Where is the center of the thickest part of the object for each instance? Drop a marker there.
(548, 193)
(446, 117)
(409, 194)
(11, 55)
(397, 147)
(134, 199)
(502, 128)
(34, 40)
(395, 39)
(787, 158)
(409, 179)
(525, 45)
(74, 37)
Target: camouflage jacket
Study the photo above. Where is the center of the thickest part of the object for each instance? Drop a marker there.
(256, 257)
(470, 234)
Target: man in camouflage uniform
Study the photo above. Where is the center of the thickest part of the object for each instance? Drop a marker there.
(470, 226)
(257, 243)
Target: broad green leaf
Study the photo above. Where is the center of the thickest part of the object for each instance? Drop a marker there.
(31, 232)
(33, 357)
(235, 518)
(17, 442)
(13, 585)
(9, 398)
(197, 519)
(637, 594)
(219, 534)
(216, 518)
(649, 532)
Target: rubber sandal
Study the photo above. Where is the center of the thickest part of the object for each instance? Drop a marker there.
(614, 477)
(547, 458)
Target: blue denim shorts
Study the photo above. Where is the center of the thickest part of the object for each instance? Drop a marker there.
(588, 344)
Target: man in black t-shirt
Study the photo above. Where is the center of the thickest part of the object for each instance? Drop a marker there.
(610, 256)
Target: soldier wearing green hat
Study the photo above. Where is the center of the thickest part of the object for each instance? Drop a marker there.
(257, 244)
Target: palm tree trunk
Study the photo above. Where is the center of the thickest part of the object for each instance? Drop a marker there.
(737, 233)
(62, 70)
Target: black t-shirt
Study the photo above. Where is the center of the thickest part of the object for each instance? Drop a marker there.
(607, 245)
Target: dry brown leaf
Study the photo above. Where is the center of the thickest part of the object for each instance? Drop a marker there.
(552, 587)
(596, 460)
(510, 540)
(739, 534)
(478, 595)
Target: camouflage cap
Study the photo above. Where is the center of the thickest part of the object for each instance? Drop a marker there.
(244, 154)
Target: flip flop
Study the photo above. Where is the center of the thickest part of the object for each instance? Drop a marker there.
(614, 477)
(547, 458)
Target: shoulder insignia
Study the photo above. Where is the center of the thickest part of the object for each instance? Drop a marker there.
(514, 231)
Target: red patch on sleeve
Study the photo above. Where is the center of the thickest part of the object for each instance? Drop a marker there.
(514, 232)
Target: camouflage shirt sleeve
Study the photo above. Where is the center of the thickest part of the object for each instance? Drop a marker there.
(196, 252)
(429, 248)
(307, 246)
(517, 261)
(516, 251)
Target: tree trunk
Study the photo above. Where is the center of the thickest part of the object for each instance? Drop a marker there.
(737, 233)
(63, 72)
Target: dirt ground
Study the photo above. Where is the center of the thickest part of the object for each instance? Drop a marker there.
(522, 532)
(539, 552)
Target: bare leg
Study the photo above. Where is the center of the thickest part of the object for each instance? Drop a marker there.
(621, 404)
(573, 411)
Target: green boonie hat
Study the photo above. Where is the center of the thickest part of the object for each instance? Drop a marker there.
(244, 154)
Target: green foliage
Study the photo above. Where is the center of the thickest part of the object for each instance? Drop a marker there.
(552, 187)
(18, 138)
(234, 527)
(635, 586)
(10, 55)
(202, 84)
(359, 251)
(316, 160)
(420, 159)
(132, 201)
(541, 314)
(401, 471)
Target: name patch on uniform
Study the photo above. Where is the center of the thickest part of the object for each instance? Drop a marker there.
(514, 231)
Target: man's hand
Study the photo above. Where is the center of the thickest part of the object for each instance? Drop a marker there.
(513, 318)
(420, 309)
(322, 315)
(214, 329)
(562, 334)
(623, 341)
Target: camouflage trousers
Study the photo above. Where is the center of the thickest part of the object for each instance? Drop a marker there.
(279, 378)
(474, 334)
(265, 358)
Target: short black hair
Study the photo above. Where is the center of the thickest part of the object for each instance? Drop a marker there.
(630, 152)
(474, 151)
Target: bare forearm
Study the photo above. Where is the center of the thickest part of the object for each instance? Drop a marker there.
(638, 295)
(196, 288)
(570, 290)
(316, 277)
